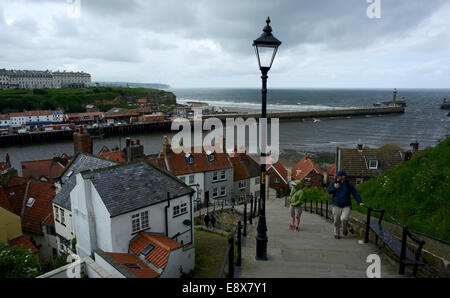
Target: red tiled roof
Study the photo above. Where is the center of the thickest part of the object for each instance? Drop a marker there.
(16, 115)
(332, 170)
(12, 199)
(4, 117)
(280, 169)
(76, 115)
(123, 259)
(37, 169)
(118, 156)
(303, 167)
(160, 254)
(158, 161)
(38, 113)
(240, 169)
(178, 165)
(22, 241)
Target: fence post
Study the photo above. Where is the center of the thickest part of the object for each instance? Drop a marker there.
(231, 258)
(366, 238)
(321, 212)
(317, 207)
(239, 246)
(310, 206)
(251, 210)
(401, 270)
(245, 219)
(326, 210)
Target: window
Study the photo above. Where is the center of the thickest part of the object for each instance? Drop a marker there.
(223, 190)
(62, 248)
(215, 176)
(373, 164)
(30, 202)
(136, 223)
(257, 194)
(63, 219)
(257, 180)
(183, 208)
(242, 184)
(56, 213)
(223, 175)
(191, 179)
(210, 155)
(241, 198)
(51, 231)
(144, 220)
(308, 180)
(277, 180)
(183, 179)
(189, 159)
(176, 210)
(215, 194)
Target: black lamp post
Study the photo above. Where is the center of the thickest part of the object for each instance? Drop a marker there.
(266, 47)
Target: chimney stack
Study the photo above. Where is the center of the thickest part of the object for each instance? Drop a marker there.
(134, 152)
(360, 147)
(165, 147)
(7, 160)
(82, 142)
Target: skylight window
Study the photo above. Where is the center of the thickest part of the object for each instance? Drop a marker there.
(133, 266)
(30, 202)
(147, 250)
(69, 174)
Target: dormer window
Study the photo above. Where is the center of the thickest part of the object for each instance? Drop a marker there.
(373, 164)
(31, 202)
(189, 159)
(210, 156)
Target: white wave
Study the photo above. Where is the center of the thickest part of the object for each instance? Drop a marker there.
(248, 105)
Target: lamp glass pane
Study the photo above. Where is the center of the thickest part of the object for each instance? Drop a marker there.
(266, 55)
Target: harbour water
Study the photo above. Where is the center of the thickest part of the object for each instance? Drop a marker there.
(423, 120)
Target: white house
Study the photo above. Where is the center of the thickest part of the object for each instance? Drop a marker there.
(62, 209)
(136, 209)
(17, 119)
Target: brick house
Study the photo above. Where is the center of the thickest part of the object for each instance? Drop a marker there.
(307, 172)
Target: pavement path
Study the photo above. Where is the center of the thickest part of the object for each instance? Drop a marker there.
(311, 252)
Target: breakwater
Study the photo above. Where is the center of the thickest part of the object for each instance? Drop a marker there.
(143, 128)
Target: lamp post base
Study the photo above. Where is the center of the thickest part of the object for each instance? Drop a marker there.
(261, 248)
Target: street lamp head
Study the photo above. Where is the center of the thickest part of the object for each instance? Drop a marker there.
(266, 47)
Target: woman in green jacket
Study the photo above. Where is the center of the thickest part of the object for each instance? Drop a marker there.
(296, 197)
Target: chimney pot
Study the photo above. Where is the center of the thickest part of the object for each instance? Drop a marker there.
(360, 147)
(132, 143)
(138, 142)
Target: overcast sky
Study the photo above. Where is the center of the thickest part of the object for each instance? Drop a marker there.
(208, 43)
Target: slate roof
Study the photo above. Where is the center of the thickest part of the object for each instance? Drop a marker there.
(129, 187)
(81, 162)
(354, 162)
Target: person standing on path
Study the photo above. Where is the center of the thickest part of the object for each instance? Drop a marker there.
(295, 209)
(341, 188)
(207, 220)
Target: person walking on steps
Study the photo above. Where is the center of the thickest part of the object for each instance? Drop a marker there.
(295, 209)
(341, 188)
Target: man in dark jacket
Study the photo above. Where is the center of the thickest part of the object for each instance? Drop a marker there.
(341, 188)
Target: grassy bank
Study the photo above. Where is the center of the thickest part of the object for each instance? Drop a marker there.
(72, 100)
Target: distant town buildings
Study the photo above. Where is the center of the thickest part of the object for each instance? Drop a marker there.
(31, 79)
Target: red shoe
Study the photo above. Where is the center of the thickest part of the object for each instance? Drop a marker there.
(291, 227)
(296, 229)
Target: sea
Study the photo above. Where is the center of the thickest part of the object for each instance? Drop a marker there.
(423, 120)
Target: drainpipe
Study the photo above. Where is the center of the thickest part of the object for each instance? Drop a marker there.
(192, 219)
(167, 215)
